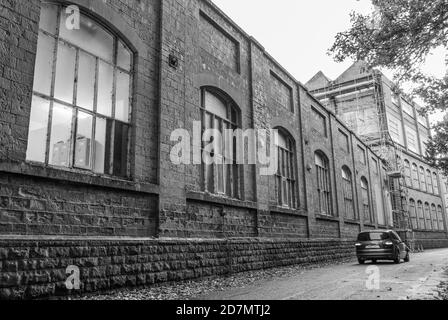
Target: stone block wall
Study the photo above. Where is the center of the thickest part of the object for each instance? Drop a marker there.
(37, 269)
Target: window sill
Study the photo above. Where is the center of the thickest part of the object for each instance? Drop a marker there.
(369, 224)
(288, 211)
(430, 231)
(87, 178)
(207, 197)
(354, 222)
(327, 218)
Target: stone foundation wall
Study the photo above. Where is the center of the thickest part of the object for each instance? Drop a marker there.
(33, 269)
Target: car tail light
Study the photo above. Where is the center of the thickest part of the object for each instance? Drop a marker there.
(389, 243)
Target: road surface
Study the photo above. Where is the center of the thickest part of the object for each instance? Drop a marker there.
(417, 279)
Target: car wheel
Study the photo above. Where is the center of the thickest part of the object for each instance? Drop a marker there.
(397, 259)
(407, 258)
(361, 261)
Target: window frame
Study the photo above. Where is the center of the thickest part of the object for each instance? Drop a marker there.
(287, 172)
(110, 120)
(415, 177)
(236, 176)
(413, 214)
(440, 218)
(366, 202)
(421, 216)
(323, 184)
(434, 218)
(428, 218)
(348, 193)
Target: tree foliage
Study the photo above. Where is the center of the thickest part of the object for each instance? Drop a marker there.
(399, 35)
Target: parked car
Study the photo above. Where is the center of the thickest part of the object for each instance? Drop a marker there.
(381, 245)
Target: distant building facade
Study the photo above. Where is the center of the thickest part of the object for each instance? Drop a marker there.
(390, 123)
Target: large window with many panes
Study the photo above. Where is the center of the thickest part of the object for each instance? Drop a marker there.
(421, 216)
(428, 216)
(323, 182)
(347, 182)
(413, 214)
(429, 180)
(81, 106)
(286, 173)
(440, 218)
(434, 219)
(365, 200)
(435, 183)
(219, 113)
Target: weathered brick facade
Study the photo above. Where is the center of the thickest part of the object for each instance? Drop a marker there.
(160, 199)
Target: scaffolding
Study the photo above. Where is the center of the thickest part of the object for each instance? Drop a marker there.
(380, 141)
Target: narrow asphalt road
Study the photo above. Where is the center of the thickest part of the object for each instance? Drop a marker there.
(417, 279)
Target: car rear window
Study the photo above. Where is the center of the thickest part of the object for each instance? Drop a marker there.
(373, 236)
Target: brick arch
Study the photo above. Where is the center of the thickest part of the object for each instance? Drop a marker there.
(283, 125)
(212, 80)
(112, 20)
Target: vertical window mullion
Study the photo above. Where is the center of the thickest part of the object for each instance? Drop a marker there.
(74, 129)
(53, 79)
(214, 168)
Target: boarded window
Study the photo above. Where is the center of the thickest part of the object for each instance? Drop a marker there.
(319, 122)
(362, 155)
(281, 92)
(219, 43)
(344, 141)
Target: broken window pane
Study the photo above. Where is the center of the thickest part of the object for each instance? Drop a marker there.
(48, 17)
(86, 81)
(120, 149)
(105, 84)
(122, 100)
(65, 73)
(90, 37)
(124, 57)
(83, 141)
(37, 136)
(60, 135)
(44, 64)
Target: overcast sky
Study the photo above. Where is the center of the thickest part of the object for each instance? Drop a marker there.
(298, 33)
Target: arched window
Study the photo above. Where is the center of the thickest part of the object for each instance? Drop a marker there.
(429, 181)
(407, 169)
(323, 183)
(413, 214)
(428, 216)
(365, 200)
(421, 216)
(415, 181)
(423, 186)
(220, 113)
(435, 182)
(81, 107)
(440, 218)
(349, 206)
(286, 174)
(435, 221)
